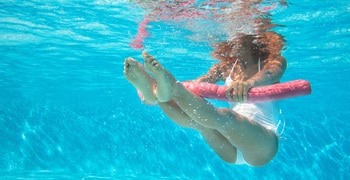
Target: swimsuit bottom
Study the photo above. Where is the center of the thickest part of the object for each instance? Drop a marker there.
(266, 114)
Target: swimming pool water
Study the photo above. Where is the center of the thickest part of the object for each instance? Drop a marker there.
(67, 112)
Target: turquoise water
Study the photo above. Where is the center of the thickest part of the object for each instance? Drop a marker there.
(66, 110)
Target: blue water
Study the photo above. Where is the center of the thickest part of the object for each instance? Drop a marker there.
(67, 112)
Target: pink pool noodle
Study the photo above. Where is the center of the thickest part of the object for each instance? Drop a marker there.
(255, 94)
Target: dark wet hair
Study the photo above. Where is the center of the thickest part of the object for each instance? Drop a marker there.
(262, 45)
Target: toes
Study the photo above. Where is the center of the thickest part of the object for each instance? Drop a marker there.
(131, 66)
(145, 55)
(154, 63)
(150, 62)
(130, 61)
(148, 58)
(126, 65)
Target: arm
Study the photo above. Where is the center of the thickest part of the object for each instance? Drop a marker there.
(271, 73)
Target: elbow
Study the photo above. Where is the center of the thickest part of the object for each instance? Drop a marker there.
(273, 77)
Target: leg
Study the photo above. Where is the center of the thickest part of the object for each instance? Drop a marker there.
(175, 113)
(136, 75)
(257, 144)
(222, 147)
(218, 143)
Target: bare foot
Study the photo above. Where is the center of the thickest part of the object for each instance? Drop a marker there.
(165, 80)
(142, 81)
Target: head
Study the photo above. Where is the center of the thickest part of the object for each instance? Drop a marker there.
(225, 51)
(259, 46)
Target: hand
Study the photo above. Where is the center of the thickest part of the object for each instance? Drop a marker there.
(239, 90)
